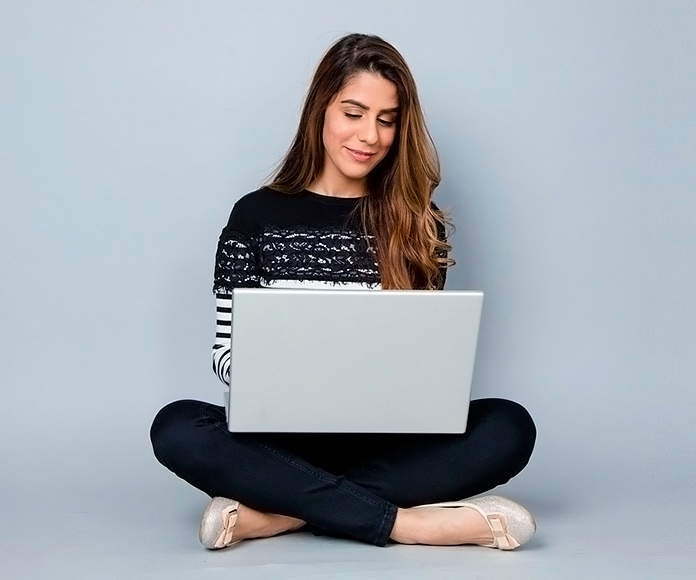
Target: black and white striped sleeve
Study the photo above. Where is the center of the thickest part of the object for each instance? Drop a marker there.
(221, 348)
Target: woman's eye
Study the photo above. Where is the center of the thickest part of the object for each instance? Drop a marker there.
(352, 116)
(385, 123)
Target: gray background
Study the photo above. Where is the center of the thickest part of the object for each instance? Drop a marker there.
(566, 133)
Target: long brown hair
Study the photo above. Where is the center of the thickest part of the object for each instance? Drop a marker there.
(397, 212)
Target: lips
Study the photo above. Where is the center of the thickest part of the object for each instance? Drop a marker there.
(358, 155)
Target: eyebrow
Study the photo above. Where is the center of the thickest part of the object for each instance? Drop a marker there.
(366, 108)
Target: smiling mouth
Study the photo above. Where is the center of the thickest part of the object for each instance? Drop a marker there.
(360, 155)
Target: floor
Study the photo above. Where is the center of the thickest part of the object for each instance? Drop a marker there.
(132, 533)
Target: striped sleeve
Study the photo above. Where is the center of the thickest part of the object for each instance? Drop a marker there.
(221, 348)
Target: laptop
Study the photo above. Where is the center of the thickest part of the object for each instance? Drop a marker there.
(352, 361)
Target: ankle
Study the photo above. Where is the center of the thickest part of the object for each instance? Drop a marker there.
(407, 525)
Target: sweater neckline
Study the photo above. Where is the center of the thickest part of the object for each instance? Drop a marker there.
(330, 199)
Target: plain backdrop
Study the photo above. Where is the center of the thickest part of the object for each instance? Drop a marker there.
(566, 132)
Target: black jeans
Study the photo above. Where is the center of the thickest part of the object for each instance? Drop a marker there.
(343, 484)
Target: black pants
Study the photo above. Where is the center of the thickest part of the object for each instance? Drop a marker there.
(343, 484)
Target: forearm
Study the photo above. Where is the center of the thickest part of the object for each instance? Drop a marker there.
(221, 348)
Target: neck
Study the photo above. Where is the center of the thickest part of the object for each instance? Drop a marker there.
(324, 185)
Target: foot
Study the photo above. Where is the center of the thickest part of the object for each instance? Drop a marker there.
(438, 526)
(255, 524)
(227, 522)
(490, 521)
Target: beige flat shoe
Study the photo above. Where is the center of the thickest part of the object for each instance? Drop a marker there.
(217, 524)
(511, 524)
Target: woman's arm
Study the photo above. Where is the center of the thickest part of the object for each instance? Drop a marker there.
(221, 348)
(236, 266)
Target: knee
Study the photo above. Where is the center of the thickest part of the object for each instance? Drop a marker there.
(514, 427)
(520, 424)
(169, 425)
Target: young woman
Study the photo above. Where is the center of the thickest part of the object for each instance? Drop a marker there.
(350, 206)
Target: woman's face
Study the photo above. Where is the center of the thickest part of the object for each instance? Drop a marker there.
(360, 124)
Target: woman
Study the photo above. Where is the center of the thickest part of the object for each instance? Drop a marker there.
(350, 206)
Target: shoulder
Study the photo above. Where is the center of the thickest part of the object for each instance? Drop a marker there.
(258, 201)
(251, 211)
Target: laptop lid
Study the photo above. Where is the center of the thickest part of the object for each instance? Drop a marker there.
(360, 361)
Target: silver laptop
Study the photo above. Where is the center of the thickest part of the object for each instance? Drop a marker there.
(358, 361)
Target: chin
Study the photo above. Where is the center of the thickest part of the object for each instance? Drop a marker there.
(355, 175)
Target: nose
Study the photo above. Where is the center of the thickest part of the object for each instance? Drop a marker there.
(368, 132)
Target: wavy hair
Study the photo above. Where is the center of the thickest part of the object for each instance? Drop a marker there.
(408, 231)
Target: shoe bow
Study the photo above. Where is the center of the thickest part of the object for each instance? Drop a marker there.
(501, 539)
(229, 519)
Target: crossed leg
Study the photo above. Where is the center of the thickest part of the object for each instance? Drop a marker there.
(348, 485)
